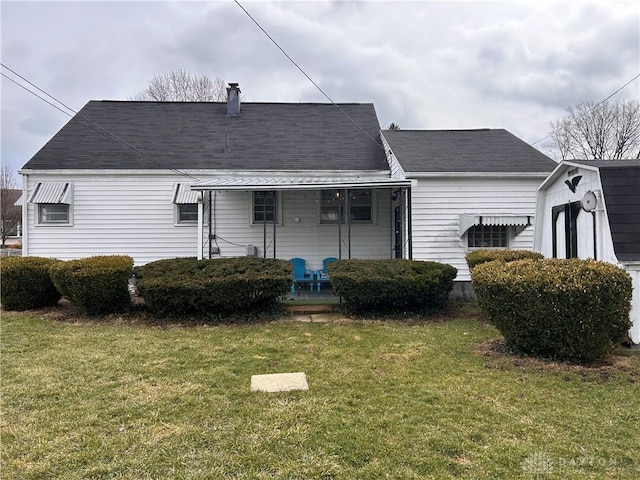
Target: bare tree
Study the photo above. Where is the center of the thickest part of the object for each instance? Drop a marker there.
(597, 131)
(10, 214)
(180, 86)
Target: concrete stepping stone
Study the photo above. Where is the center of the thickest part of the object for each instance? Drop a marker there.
(279, 382)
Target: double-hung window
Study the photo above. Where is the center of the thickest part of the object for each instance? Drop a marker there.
(334, 205)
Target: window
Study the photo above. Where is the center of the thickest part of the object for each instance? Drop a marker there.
(53, 213)
(488, 236)
(360, 205)
(188, 213)
(265, 207)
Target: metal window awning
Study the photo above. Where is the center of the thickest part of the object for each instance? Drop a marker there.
(298, 183)
(46, 192)
(519, 221)
(183, 194)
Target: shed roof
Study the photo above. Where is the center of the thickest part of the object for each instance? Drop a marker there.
(621, 191)
(484, 150)
(200, 135)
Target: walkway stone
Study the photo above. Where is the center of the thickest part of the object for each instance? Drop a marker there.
(279, 382)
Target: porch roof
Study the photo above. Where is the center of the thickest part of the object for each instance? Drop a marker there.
(297, 183)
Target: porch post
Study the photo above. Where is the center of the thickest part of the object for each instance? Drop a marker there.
(264, 226)
(409, 232)
(340, 200)
(200, 226)
(348, 210)
(275, 222)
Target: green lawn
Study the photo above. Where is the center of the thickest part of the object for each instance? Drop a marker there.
(386, 400)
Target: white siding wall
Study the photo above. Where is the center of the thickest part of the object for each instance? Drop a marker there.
(134, 215)
(438, 202)
(307, 238)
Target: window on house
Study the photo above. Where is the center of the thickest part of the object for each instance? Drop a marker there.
(186, 202)
(188, 213)
(488, 236)
(360, 203)
(53, 213)
(53, 202)
(265, 206)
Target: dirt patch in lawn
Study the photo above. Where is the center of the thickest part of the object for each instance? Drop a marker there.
(501, 358)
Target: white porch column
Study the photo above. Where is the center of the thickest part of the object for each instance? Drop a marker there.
(200, 225)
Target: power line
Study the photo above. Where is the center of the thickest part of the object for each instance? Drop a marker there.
(306, 75)
(597, 104)
(90, 123)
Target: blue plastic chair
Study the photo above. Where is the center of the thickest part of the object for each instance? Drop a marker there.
(322, 276)
(300, 274)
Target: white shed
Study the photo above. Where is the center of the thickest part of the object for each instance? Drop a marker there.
(591, 209)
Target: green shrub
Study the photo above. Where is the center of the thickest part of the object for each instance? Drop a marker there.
(26, 283)
(96, 285)
(392, 285)
(566, 309)
(206, 288)
(481, 256)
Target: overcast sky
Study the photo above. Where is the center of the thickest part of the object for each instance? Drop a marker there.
(423, 64)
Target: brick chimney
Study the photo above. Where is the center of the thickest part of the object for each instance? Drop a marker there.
(233, 100)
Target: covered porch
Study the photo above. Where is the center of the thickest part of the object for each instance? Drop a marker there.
(309, 217)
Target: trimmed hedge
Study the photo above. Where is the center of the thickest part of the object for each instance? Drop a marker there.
(26, 283)
(393, 285)
(205, 288)
(566, 309)
(96, 285)
(481, 256)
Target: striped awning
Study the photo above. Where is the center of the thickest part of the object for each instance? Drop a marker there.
(469, 220)
(298, 183)
(47, 192)
(184, 195)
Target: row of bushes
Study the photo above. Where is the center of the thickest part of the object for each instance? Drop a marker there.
(392, 285)
(566, 309)
(186, 286)
(96, 285)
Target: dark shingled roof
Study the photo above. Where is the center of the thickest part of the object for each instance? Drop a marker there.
(194, 135)
(621, 191)
(491, 151)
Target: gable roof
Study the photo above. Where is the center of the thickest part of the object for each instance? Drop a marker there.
(483, 151)
(200, 135)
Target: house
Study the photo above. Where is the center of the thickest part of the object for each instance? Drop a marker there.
(171, 179)
(470, 189)
(591, 209)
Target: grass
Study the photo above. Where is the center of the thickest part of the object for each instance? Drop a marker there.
(436, 399)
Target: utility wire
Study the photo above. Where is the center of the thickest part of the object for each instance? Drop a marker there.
(596, 105)
(306, 75)
(90, 123)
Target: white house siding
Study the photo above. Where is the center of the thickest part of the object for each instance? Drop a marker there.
(438, 202)
(134, 214)
(634, 271)
(123, 214)
(307, 238)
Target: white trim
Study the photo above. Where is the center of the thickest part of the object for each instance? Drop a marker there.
(297, 183)
(477, 174)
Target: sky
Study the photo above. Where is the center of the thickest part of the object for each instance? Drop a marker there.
(515, 65)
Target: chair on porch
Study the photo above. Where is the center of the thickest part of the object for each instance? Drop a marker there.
(301, 274)
(322, 276)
